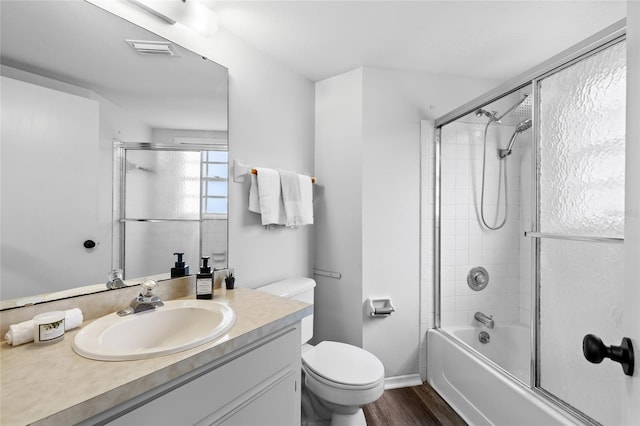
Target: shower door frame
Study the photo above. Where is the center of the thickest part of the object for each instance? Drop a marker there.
(607, 37)
(120, 149)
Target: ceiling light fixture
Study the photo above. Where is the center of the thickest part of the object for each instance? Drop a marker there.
(191, 14)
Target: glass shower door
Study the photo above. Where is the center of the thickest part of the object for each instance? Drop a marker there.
(161, 210)
(581, 184)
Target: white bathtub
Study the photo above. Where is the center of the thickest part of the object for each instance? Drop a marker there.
(509, 347)
(480, 393)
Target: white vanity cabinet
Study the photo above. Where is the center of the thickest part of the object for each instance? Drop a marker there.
(256, 385)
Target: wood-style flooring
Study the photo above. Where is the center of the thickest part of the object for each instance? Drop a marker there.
(412, 406)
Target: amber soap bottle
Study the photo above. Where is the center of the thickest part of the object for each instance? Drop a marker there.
(204, 280)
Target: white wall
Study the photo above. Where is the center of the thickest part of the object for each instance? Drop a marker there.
(382, 168)
(271, 125)
(338, 164)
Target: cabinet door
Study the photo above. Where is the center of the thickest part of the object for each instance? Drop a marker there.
(275, 407)
(271, 371)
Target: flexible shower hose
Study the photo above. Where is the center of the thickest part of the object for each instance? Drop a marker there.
(484, 163)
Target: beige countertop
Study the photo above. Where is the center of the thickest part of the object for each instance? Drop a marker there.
(51, 384)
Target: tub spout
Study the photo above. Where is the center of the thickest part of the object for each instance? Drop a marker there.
(484, 319)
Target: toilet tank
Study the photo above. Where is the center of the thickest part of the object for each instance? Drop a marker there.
(297, 289)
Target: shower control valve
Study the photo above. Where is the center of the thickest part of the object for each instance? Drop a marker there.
(478, 278)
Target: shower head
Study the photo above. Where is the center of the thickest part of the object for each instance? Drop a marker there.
(522, 126)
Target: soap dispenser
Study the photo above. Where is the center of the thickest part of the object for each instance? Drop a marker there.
(180, 269)
(204, 280)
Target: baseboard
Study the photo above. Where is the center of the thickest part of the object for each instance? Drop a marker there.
(402, 381)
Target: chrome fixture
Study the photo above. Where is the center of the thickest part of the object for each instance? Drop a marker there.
(115, 279)
(484, 337)
(145, 301)
(521, 127)
(477, 278)
(491, 115)
(522, 108)
(484, 319)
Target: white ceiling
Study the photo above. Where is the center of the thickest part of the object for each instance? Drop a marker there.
(485, 39)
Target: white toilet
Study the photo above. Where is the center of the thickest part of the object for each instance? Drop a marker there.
(338, 379)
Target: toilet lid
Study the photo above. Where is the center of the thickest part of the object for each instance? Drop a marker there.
(343, 363)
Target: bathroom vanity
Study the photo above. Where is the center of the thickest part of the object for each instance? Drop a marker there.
(249, 376)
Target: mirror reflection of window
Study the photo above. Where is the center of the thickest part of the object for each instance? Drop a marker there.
(215, 175)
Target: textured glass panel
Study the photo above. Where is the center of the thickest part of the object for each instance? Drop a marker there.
(149, 246)
(582, 142)
(581, 288)
(162, 185)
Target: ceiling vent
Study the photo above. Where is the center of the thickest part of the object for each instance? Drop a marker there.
(156, 48)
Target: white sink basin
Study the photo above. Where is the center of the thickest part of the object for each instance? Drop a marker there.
(177, 326)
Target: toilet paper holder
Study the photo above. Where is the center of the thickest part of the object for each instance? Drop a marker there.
(380, 307)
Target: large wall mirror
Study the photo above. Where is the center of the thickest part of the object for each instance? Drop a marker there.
(113, 150)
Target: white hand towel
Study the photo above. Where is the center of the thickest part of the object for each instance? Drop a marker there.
(23, 332)
(73, 318)
(254, 197)
(270, 196)
(297, 195)
(306, 199)
(291, 197)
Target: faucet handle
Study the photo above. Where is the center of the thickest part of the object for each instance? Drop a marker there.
(148, 286)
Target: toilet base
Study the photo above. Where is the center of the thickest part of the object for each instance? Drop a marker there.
(316, 412)
(353, 419)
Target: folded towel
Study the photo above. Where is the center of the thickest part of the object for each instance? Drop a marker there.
(254, 197)
(270, 196)
(297, 196)
(23, 332)
(306, 199)
(291, 197)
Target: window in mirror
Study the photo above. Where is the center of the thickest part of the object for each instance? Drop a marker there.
(215, 174)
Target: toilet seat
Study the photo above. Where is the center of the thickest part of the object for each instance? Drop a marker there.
(343, 366)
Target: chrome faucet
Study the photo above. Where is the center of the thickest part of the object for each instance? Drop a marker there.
(115, 279)
(484, 319)
(145, 301)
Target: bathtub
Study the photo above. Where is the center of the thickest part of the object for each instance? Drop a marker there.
(480, 393)
(509, 347)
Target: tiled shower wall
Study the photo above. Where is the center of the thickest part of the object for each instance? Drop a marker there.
(465, 243)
